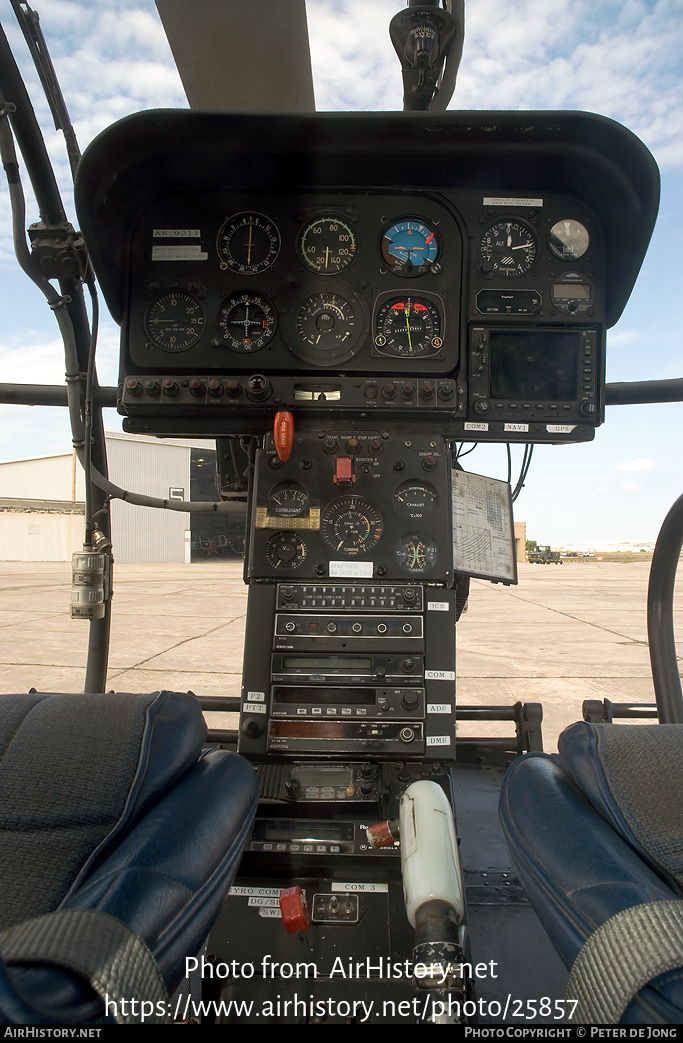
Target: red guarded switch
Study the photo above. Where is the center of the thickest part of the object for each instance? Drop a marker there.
(343, 470)
(295, 913)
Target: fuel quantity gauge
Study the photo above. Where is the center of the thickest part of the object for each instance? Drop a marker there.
(288, 499)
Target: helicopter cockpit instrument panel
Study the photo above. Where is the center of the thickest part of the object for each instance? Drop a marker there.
(376, 267)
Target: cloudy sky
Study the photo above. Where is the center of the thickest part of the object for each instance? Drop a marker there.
(619, 58)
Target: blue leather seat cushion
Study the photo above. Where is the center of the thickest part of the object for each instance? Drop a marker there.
(77, 772)
(577, 870)
(155, 844)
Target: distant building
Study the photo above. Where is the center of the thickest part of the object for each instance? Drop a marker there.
(42, 510)
(520, 541)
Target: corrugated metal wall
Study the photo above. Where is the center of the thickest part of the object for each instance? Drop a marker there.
(141, 534)
(35, 535)
(43, 478)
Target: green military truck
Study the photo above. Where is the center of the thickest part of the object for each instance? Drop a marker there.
(544, 556)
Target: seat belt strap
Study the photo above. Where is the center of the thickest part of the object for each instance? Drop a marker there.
(100, 948)
(621, 956)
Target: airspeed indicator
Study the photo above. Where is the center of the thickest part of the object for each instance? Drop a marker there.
(327, 245)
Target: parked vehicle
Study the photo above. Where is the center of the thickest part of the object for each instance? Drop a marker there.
(543, 555)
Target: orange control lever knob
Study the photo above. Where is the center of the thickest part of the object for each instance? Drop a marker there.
(283, 432)
(295, 912)
(383, 834)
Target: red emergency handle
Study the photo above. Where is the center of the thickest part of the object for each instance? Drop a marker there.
(283, 432)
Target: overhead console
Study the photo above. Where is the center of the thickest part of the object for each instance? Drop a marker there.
(457, 268)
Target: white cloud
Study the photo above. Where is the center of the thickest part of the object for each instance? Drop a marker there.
(641, 464)
(34, 359)
(631, 487)
(617, 338)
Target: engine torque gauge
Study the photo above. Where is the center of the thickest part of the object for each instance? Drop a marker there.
(409, 327)
(248, 243)
(327, 245)
(508, 248)
(351, 525)
(410, 247)
(174, 320)
(246, 321)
